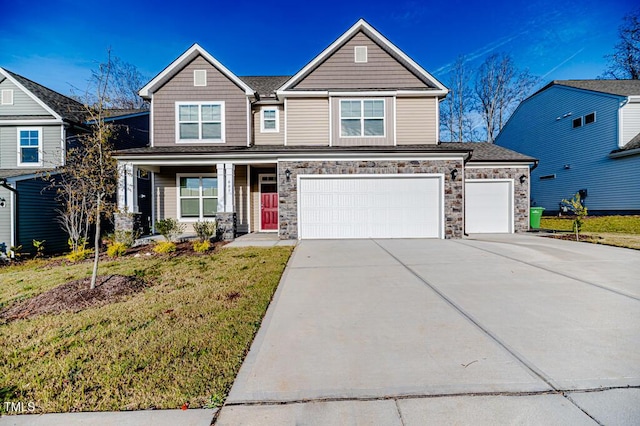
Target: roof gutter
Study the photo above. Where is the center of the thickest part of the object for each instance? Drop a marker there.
(624, 153)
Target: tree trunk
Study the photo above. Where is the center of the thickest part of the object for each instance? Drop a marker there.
(96, 245)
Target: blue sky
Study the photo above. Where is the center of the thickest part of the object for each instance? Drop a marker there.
(58, 42)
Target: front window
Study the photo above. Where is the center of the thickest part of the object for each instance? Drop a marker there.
(200, 121)
(29, 147)
(362, 118)
(198, 197)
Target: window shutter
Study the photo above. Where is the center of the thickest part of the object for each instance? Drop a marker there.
(200, 77)
(360, 54)
(7, 97)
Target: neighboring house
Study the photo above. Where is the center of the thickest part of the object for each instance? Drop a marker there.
(586, 135)
(348, 147)
(37, 126)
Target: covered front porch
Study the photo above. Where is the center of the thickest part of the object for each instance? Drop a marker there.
(241, 197)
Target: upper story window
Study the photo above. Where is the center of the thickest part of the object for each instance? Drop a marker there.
(360, 54)
(200, 121)
(269, 120)
(29, 147)
(197, 196)
(577, 122)
(590, 118)
(6, 98)
(362, 118)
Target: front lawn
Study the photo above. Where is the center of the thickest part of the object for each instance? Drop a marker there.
(619, 231)
(181, 339)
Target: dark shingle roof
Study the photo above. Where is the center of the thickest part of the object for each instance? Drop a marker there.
(66, 107)
(9, 173)
(614, 87)
(480, 151)
(265, 85)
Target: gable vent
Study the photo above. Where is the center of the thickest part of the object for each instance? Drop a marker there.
(7, 97)
(200, 77)
(360, 54)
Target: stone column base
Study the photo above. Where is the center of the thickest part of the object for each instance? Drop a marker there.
(126, 221)
(227, 226)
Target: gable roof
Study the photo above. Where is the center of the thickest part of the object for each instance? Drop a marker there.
(60, 106)
(378, 38)
(265, 86)
(184, 59)
(612, 87)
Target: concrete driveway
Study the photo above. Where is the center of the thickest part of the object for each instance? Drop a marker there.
(493, 329)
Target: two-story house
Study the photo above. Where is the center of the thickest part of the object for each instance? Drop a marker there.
(348, 147)
(37, 127)
(586, 134)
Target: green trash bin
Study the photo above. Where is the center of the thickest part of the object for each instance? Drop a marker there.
(535, 213)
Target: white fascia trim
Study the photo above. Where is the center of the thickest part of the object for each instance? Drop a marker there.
(31, 122)
(31, 95)
(192, 52)
(302, 93)
(151, 124)
(324, 93)
(360, 25)
(633, 99)
(249, 123)
(489, 165)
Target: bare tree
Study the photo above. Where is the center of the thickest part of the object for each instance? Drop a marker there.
(90, 170)
(457, 107)
(499, 88)
(624, 63)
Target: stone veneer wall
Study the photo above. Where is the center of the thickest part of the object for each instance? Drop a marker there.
(288, 191)
(227, 226)
(520, 193)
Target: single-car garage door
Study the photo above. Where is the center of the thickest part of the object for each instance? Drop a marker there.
(488, 206)
(370, 206)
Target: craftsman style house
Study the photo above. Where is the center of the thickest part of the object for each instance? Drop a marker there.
(348, 147)
(586, 134)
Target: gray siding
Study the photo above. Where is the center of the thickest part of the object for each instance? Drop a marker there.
(307, 121)
(180, 88)
(38, 219)
(5, 218)
(534, 130)
(387, 140)
(52, 146)
(416, 121)
(340, 71)
(630, 121)
(267, 138)
(22, 103)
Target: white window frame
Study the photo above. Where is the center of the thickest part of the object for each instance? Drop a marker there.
(7, 97)
(584, 120)
(262, 120)
(40, 160)
(365, 54)
(199, 105)
(199, 197)
(203, 74)
(362, 117)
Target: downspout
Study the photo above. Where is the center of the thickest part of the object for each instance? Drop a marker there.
(14, 234)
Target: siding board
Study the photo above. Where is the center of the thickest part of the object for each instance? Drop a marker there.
(51, 141)
(180, 88)
(308, 121)
(22, 103)
(381, 71)
(416, 121)
(630, 121)
(267, 138)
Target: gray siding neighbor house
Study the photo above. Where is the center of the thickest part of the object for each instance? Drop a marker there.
(586, 134)
(348, 147)
(37, 126)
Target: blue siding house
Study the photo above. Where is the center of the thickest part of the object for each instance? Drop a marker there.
(586, 135)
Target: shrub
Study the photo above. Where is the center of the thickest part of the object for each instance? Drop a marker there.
(205, 229)
(78, 255)
(580, 212)
(116, 249)
(164, 247)
(39, 246)
(169, 228)
(201, 246)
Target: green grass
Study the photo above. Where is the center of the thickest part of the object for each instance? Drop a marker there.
(181, 340)
(604, 224)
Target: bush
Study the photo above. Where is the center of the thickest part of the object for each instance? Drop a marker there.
(205, 230)
(116, 249)
(201, 246)
(169, 228)
(79, 255)
(164, 247)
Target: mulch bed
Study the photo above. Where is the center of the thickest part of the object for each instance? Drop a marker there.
(75, 296)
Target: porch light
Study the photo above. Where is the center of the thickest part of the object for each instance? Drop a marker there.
(3, 202)
(287, 174)
(523, 178)
(454, 174)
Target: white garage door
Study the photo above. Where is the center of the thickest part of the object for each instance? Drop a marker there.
(370, 206)
(488, 206)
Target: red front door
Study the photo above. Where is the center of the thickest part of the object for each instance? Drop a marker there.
(269, 210)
